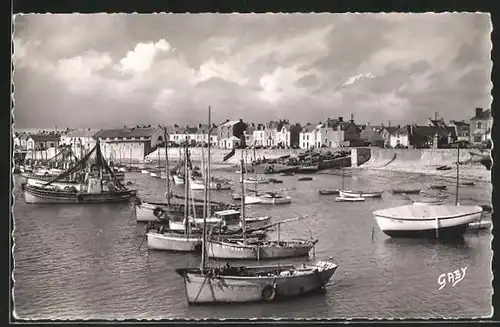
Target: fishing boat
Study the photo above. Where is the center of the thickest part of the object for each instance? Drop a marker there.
(215, 184)
(180, 242)
(174, 242)
(468, 183)
(145, 171)
(439, 187)
(268, 197)
(229, 284)
(349, 199)
(300, 179)
(93, 187)
(221, 218)
(329, 192)
(247, 284)
(406, 190)
(429, 221)
(363, 194)
(275, 181)
(226, 249)
(254, 180)
(146, 211)
(289, 173)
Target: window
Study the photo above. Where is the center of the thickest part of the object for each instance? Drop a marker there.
(477, 139)
(479, 125)
(464, 133)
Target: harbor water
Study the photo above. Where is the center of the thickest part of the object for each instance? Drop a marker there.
(84, 261)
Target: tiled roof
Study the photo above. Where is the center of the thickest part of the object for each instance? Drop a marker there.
(429, 131)
(229, 123)
(391, 129)
(112, 133)
(143, 131)
(45, 137)
(308, 128)
(370, 134)
(82, 133)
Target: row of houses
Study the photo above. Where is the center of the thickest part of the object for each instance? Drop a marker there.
(140, 140)
(435, 133)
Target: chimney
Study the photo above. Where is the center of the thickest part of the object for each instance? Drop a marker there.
(352, 118)
(399, 126)
(436, 115)
(479, 111)
(241, 120)
(199, 125)
(341, 119)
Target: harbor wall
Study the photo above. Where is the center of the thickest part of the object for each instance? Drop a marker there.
(387, 158)
(217, 155)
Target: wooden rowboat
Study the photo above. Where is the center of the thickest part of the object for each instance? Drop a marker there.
(349, 199)
(363, 194)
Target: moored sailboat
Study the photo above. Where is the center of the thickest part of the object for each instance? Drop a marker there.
(255, 283)
(226, 249)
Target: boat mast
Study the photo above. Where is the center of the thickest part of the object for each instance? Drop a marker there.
(343, 176)
(458, 172)
(167, 168)
(209, 174)
(243, 223)
(254, 171)
(186, 192)
(206, 173)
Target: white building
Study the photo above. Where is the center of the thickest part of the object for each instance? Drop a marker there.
(307, 138)
(259, 135)
(81, 140)
(127, 144)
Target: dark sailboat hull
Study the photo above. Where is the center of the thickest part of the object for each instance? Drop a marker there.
(40, 195)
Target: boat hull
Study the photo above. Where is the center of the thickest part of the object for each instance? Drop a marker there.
(173, 242)
(34, 196)
(224, 250)
(201, 288)
(349, 194)
(58, 184)
(450, 226)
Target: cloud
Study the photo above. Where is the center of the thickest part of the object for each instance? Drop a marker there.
(97, 70)
(140, 60)
(355, 78)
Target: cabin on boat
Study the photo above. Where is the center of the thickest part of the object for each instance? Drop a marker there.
(228, 216)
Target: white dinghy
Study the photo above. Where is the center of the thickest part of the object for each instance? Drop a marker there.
(432, 221)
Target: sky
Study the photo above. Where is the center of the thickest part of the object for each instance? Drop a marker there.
(111, 70)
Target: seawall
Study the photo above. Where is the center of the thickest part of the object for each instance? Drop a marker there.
(217, 155)
(422, 161)
(412, 157)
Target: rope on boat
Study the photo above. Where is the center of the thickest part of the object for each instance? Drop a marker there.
(201, 288)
